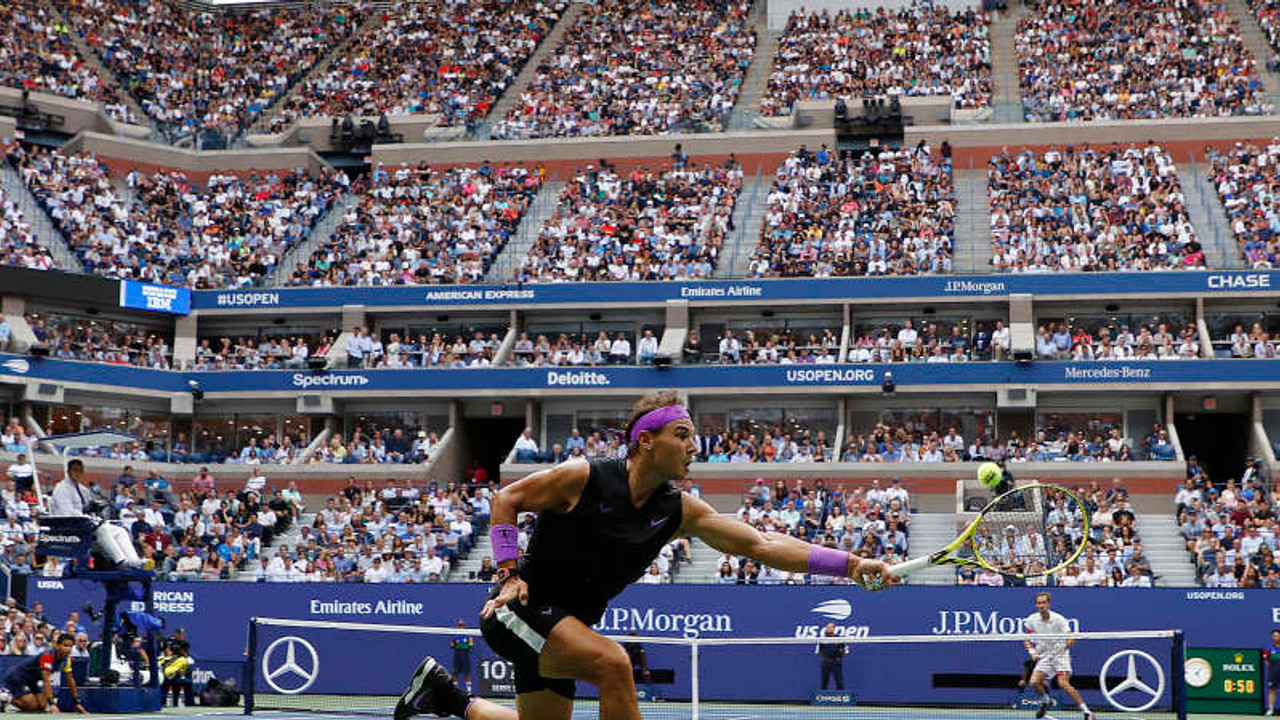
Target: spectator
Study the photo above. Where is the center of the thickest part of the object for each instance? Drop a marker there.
(526, 447)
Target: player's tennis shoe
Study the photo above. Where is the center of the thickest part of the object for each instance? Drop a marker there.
(1040, 711)
(419, 697)
(1088, 715)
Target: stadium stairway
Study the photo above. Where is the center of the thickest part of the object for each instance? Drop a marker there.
(930, 531)
(513, 254)
(748, 217)
(41, 223)
(973, 222)
(1256, 42)
(549, 45)
(301, 253)
(288, 539)
(471, 563)
(1006, 91)
(95, 63)
(1164, 547)
(756, 80)
(1209, 218)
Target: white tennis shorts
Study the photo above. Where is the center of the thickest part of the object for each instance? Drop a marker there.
(1051, 666)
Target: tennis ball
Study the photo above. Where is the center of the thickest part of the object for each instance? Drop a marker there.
(990, 474)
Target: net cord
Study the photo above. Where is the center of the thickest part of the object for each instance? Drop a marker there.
(875, 639)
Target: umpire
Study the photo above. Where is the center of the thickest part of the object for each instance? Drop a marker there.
(832, 658)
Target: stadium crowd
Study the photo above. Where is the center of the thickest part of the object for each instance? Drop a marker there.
(1147, 59)
(1230, 527)
(37, 53)
(582, 349)
(1060, 342)
(760, 441)
(871, 522)
(666, 223)
(887, 212)
(108, 341)
(770, 346)
(193, 71)
(628, 69)
(912, 51)
(265, 352)
(229, 233)
(1085, 209)
(446, 57)
(1255, 343)
(930, 343)
(1245, 177)
(416, 224)
(19, 245)
(1055, 441)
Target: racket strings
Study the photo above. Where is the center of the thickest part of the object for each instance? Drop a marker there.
(1029, 532)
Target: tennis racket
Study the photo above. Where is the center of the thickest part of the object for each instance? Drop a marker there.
(1030, 531)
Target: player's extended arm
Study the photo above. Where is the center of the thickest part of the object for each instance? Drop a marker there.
(48, 691)
(782, 552)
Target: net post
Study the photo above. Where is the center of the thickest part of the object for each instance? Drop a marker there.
(250, 665)
(693, 680)
(1178, 676)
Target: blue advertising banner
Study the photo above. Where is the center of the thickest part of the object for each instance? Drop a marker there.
(156, 298)
(730, 291)
(216, 617)
(1255, 373)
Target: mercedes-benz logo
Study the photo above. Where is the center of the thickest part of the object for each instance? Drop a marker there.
(1132, 681)
(288, 665)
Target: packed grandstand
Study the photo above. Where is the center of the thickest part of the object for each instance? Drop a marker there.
(592, 200)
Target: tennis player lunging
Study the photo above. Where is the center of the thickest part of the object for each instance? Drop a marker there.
(1053, 657)
(600, 524)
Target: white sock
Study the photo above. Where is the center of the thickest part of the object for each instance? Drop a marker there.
(1084, 707)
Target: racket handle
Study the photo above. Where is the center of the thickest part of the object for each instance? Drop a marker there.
(910, 566)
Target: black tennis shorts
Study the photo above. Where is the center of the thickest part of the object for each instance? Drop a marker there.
(517, 633)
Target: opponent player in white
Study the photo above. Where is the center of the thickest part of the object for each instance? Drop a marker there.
(1053, 657)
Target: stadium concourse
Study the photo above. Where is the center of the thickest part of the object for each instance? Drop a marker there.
(335, 275)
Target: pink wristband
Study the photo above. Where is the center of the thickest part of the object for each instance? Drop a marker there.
(505, 539)
(825, 561)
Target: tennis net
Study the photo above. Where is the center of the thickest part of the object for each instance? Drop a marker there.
(359, 669)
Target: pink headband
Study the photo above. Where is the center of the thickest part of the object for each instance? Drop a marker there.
(655, 419)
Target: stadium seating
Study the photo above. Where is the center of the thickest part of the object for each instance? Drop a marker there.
(1093, 60)
(1243, 176)
(1229, 528)
(194, 71)
(627, 69)
(38, 54)
(908, 52)
(1082, 209)
(423, 225)
(890, 212)
(448, 58)
(230, 233)
(19, 245)
(647, 224)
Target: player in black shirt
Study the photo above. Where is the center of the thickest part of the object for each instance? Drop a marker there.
(23, 681)
(600, 524)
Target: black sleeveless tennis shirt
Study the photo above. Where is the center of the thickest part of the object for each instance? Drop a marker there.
(581, 559)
